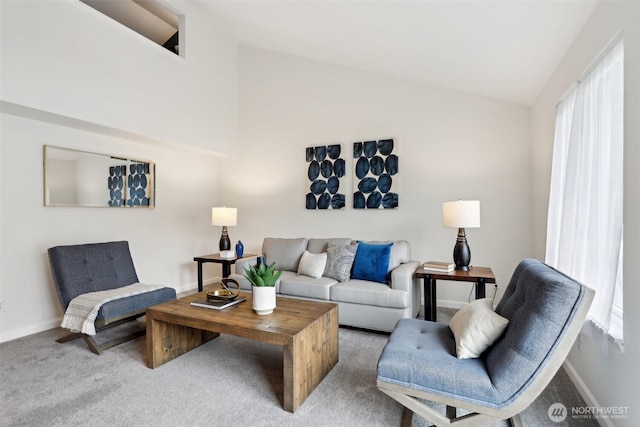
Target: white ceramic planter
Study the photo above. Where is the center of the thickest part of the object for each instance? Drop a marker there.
(264, 299)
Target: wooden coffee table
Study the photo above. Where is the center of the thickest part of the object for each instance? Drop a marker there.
(307, 331)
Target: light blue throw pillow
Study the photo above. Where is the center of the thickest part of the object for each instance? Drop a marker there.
(372, 262)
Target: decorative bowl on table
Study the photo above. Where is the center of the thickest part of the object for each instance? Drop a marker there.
(224, 293)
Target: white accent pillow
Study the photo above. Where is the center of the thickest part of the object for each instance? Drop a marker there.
(475, 327)
(312, 265)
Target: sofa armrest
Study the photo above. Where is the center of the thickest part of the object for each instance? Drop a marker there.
(241, 264)
(402, 277)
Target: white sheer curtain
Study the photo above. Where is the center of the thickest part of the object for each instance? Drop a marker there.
(584, 226)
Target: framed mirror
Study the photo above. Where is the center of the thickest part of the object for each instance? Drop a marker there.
(80, 178)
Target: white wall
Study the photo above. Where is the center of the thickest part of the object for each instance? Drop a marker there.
(163, 240)
(451, 145)
(73, 78)
(64, 57)
(609, 378)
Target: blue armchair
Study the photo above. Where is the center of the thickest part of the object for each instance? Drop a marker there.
(545, 309)
(87, 268)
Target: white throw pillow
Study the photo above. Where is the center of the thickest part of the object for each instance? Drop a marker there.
(312, 265)
(476, 326)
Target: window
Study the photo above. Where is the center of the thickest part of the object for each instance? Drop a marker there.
(584, 227)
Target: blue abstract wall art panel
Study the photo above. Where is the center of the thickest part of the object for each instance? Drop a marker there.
(115, 183)
(375, 175)
(136, 181)
(325, 170)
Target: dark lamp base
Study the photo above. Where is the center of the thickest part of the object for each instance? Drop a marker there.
(461, 252)
(225, 242)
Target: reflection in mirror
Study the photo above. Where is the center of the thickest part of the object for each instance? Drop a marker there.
(79, 178)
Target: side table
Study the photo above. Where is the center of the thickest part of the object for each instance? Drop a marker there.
(215, 258)
(479, 275)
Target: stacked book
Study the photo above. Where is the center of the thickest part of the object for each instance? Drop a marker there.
(441, 267)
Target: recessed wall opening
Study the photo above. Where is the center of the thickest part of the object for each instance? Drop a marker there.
(146, 17)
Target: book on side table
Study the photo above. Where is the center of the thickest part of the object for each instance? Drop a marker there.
(443, 267)
(216, 304)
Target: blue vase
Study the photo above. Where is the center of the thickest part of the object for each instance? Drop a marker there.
(239, 249)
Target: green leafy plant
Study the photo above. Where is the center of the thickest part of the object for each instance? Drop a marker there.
(263, 276)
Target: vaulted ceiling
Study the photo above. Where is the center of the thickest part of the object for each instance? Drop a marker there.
(500, 49)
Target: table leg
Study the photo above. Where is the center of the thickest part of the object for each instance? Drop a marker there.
(166, 341)
(429, 299)
(307, 359)
(226, 270)
(199, 276)
(480, 289)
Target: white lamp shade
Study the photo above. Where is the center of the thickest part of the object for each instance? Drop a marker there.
(461, 214)
(224, 216)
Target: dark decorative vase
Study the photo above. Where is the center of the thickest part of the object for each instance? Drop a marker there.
(239, 249)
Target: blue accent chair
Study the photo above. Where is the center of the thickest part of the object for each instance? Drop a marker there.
(545, 309)
(79, 269)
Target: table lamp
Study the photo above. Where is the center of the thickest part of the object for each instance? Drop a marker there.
(226, 217)
(461, 214)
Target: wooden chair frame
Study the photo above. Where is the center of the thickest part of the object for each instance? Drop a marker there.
(101, 325)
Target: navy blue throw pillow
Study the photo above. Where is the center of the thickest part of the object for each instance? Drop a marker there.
(372, 262)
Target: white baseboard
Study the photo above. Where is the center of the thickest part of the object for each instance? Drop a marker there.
(190, 288)
(31, 329)
(584, 391)
(450, 304)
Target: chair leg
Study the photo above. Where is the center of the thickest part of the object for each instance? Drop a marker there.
(516, 421)
(120, 340)
(70, 337)
(407, 417)
(451, 412)
(433, 415)
(93, 345)
(99, 348)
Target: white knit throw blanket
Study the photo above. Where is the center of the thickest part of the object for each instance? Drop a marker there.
(83, 309)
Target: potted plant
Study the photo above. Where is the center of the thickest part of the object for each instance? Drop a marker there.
(263, 286)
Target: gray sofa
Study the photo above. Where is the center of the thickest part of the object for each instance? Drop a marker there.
(362, 303)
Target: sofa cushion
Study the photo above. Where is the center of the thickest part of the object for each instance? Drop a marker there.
(307, 287)
(312, 265)
(316, 246)
(339, 261)
(372, 262)
(475, 327)
(369, 293)
(286, 253)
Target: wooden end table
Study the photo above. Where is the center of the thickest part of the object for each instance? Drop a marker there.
(479, 275)
(306, 330)
(216, 258)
